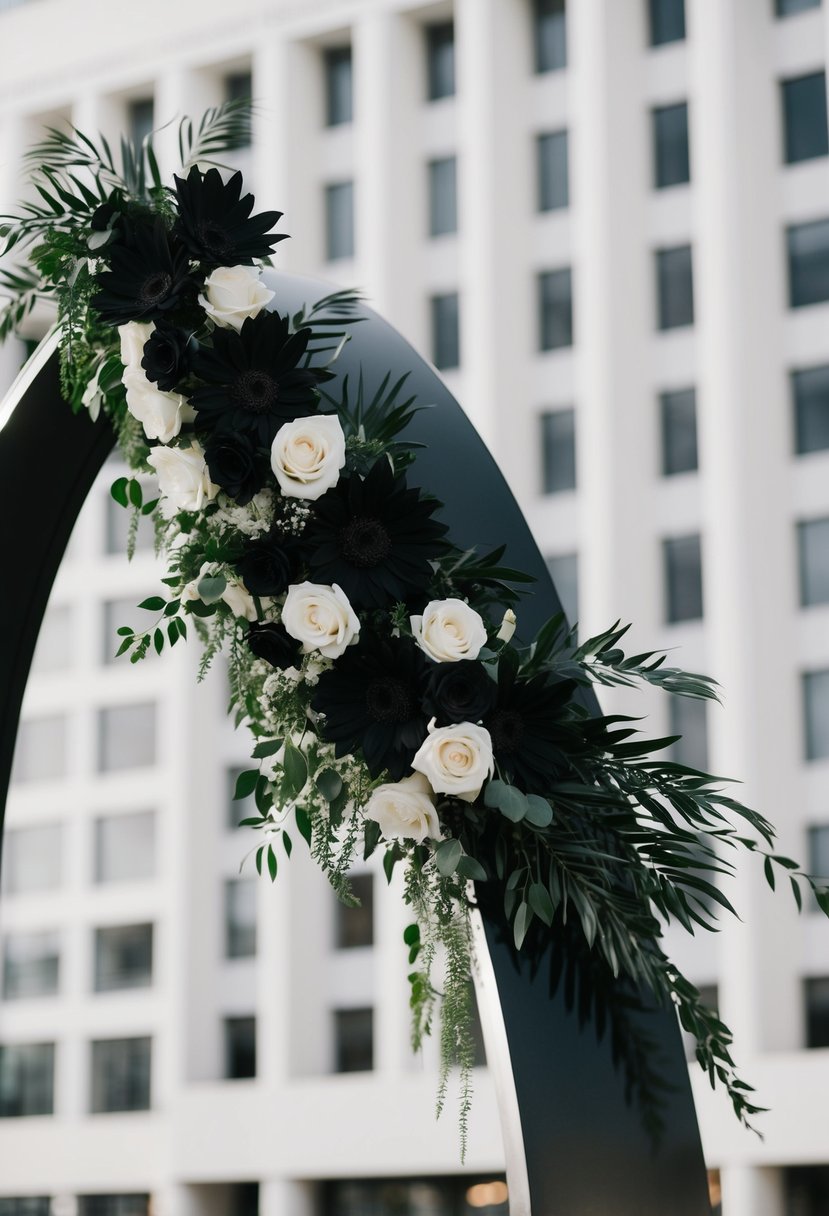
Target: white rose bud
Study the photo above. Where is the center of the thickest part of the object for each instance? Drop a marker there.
(159, 413)
(239, 601)
(405, 810)
(321, 618)
(449, 630)
(232, 294)
(456, 759)
(508, 624)
(182, 476)
(307, 456)
(133, 335)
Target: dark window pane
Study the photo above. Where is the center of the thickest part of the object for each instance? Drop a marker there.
(550, 35)
(417, 1197)
(443, 197)
(240, 918)
(446, 334)
(27, 1079)
(355, 926)
(813, 552)
(804, 117)
(140, 119)
(31, 964)
(675, 287)
(808, 263)
(689, 718)
(555, 309)
(243, 1199)
(113, 1205)
(237, 809)
(440, 60)
(564, 571)
(679, 431)
(240, 1048)
(670, 145)
(121, 1074)
(238, 86)
(553, 178)
(810, 392)
(683, 578)
(817, 1012)
(339, 220)
(123, 957)
(787, 8)
(819, 858)
(354, 1040)
(816, 714)
(32, 859)
(126, 737)
(25, 1205)
(338, 86)
(558, 451)
(807, 1190)
(667, 21)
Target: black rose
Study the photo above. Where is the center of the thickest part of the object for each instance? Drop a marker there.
(459, 692)
(234, 464)
(266, 567)
(166, 357)
(272, 642)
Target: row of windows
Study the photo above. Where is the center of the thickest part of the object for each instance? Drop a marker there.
(127, 738)
(123, 958)
(124, 851)
(119, 1077)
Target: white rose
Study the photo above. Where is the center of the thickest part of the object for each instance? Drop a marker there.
(133, 335)
(508, 623)
(321, 618)
(404, 809)
(456, 759)
(307, 456)
(182, 476)
(449, 630)
(239, 601)
(159, 413)
(232, 294)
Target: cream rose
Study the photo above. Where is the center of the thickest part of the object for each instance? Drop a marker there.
(307, 456)
(133, 335)
(405, 810)
(239, 601)
(456, 759)
(182, 476)
(321, 618)
(449, 630)
(232, 294)
(159, 413)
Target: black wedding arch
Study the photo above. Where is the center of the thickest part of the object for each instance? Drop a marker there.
(575, 1145)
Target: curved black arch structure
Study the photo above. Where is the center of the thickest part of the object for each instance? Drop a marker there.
(575, 1146)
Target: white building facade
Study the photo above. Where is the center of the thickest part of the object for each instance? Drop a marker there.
(609, 228)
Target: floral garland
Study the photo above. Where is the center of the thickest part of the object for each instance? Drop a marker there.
(374, 662)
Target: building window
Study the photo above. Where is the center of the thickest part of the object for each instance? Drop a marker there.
(240, 918)
(446, 331)
(667, 21)
(118, 529)
(113, 1205)
(817, 1012)
(555, 309)
(121, 1074)
(40, 750)
(117, 613)
(237, 810)
(240, 1048)
(339, 220)
(689, 719)
(553, 176)
(550, 35)
(678, 411)
(558, 451)
(816, 714)
(564, 571)
(126, 737)
(32, 859)
(443, 196)
(238, 86)
(443, 1196)
(25, 1205)
(805, 131)
(27, 1079)
(671, 165)
(813, 553)
(807, 1190)
(54, 642)
(819, 857)
(810, 394)
(355, 926)
(682, 557)
(354, 1040)
(440, 60)
(787, 8)
(339, 106)
(140, 119)
(675, 287)
(123, 957)
(808, 246)
(31, 964)
(125, 847)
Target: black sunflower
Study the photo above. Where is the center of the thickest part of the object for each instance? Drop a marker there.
(375, 538)
(215, 222)
(252, 381)
(147, 276)
(534, 734)
(371, 699)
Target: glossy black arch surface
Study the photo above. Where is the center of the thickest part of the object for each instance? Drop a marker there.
(577, 1147)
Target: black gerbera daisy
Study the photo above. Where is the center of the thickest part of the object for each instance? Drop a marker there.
(371, 699)
(375, 538)
(252, 381)
(215, 222)
(146, 277)
(534, 735)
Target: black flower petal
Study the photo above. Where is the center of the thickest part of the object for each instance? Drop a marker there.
(147, 277)
(535, 734)
(235, 464)
(267, 567)
(459, 692)
(215, 222)
(167, 355)
(271, 641)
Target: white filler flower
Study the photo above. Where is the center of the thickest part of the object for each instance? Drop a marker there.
(232, 294)
(159, 413)
(449, 630)
(456, 759)
(183, 478)
(307, 456)
(405, 810)
(321, 618)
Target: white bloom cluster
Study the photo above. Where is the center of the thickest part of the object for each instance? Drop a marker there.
(253, 520)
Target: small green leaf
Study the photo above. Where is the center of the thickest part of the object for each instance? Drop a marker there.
(507, 799)
(118, 490)
(541, 903)
(272, 867)
(211, 588)
(371, 837)
(523, 919)
(259, 853)
(469, 867)
(295, 767)
(125, 631)
(411, 934)
(539, 811)
(329, 783)
(136, 494)
(447, 855)
(303, 822)
(153, 604)
(158, 641)
(390, 860)
(149, 507)
(288, 843)
(269, 748)
(769, 871)
(124, 647)
(245, 784)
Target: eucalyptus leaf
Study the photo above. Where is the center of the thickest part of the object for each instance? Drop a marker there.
(211, 588)
(447, 855)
